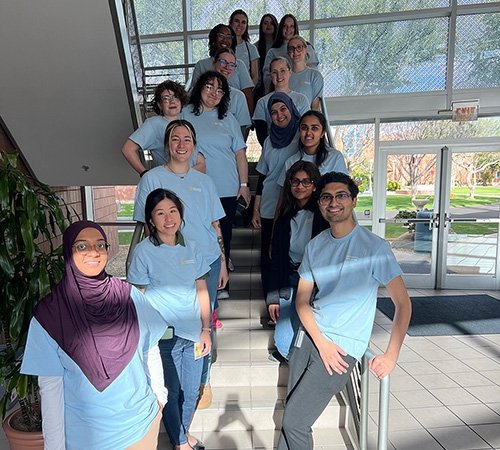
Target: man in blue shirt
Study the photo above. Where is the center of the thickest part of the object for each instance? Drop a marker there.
(343, 266)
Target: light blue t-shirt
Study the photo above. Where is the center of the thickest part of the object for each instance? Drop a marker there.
(308, 82)
(300, 234)
(239, 107)
(246, 52)
(115, 418)
(271, 164)
(151, 136)
(169, 273)
(262, 113)
(348, 272)
(218, 140)
(311, 61)
(239, 80)
(334, 162)
(201, 205)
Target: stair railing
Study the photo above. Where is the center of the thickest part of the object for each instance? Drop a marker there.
(383, 405)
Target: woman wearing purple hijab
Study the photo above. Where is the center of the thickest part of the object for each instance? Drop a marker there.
(93, 345)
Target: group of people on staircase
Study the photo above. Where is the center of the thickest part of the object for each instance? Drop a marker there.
(113, 357)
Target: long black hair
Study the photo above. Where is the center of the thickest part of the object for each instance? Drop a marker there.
(322, 150)
(195, 99)
(289, 206)
(262, 48)
(155, 197)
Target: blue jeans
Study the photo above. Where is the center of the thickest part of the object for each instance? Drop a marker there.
(212, 283)
(182, 374)
(288, 322)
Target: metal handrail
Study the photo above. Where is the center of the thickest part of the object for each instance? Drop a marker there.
(136, 238)
(324, 110)
(383, 405)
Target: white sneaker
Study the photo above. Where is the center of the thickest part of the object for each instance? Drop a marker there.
(222, 295)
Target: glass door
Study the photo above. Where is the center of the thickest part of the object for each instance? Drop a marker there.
(439, 207)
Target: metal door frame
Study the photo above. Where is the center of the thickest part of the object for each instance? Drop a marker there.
(443, 149)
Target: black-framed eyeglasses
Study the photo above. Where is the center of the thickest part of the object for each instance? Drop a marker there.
(84, 247)
(227, 64)
(211, 88)
(326, 199)
(306, 182)
(299, 48)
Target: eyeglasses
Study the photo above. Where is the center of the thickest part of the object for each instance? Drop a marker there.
(226, 37)
(326, 199)
(227, 64)
(84, 247)
(299, 48)
(211, 88)
(306, 182)
(168, 98)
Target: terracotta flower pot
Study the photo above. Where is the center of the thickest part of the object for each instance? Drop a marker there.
(21, 440)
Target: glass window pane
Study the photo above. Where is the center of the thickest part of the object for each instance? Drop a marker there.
(356, 143)
(439, 129)
(475, 2)
(477, 56)
(163, 53)
(155, 16)
(383, 58)
(220, 11)
(325, 9)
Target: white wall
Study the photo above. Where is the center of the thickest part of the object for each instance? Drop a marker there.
(62, 90)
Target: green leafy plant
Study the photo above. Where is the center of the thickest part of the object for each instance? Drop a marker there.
(405, 214)
(393, 185)
(30, 265)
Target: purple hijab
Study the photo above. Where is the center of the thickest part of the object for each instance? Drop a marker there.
(281, 137)
(93, 319)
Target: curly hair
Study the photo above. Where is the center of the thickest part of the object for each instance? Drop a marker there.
(178, 90)
(212, 38)
(205, 78)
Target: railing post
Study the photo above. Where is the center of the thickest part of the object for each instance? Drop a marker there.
(383, 413)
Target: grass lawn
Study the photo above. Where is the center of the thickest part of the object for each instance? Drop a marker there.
(126, 210)
(125, 237)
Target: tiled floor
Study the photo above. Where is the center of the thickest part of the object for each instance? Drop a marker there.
(445, 391)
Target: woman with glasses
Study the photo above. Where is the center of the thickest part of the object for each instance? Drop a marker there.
(93, 343)
(223, 36)
(202, 210)
(280, 77)
(313, 147)
(278, 147)
(298, 220)
(287, 28)
(167, 103)
(172, 272)
(245, 51)
(225, 63)
(221, 143)
(304, 79)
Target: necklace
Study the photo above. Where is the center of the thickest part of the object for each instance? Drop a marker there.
(179, 174)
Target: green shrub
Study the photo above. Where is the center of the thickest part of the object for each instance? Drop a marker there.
(393, 185)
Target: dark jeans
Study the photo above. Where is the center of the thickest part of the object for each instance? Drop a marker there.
(266, 233)
(226, 224)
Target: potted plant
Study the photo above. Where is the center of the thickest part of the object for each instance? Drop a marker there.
(30, 264)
